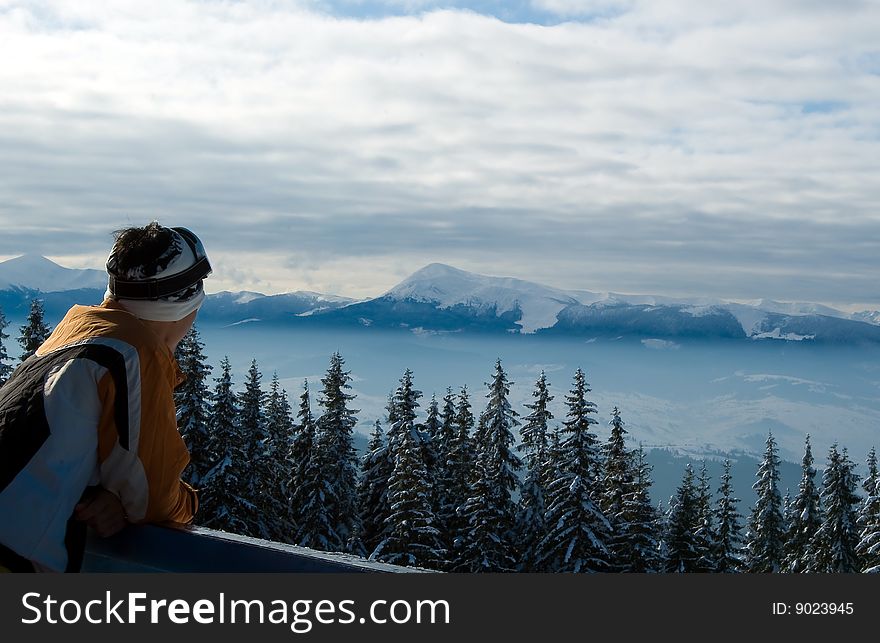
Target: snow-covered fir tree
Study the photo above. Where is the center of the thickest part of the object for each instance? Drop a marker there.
(705, 532)
(373, 488)
(578, 532)
(224, 501)
(401, 408)
(301, 449)
(868, 547)
(616, 482)
(429, 435)
(34, 332)
(334, 442)
(489, 539)
(253, 426)
(531, 528)
(409, 535)
(5, 368)
(638, 549)
(763, 552)
(445, 477)
(805, 517)
(460, 464)
(279, 428)
(728, 530)
(311, 481)
(682, 548)
(192, 399)
(834, 544)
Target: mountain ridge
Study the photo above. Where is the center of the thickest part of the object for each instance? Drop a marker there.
(442, 298)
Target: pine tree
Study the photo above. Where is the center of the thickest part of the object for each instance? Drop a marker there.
(430, 435)
(193, 407)
(869, 519)
(445, 477)
(638, 550)
(375, 509)
(728, 533)
(705, 531)
(334, 442)
(765, 528)
(461, 464)
(531, 528)
(253, 425)
(409, 535)
(834, 544)
(34, 332)
(279, 428)
(301, 450)
(5, 369)
(490, 513)
(616, 483)
(579, 533)
(682, 548)
(312, 482)
(402, 405)
(224, 502)
(806, 516)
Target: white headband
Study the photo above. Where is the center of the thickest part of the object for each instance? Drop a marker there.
(163, 309)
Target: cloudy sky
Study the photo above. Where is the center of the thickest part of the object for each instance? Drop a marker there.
(642, 146)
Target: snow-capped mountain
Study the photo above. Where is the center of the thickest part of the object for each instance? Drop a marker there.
(446, 287)
(532, 307)
(38, 273)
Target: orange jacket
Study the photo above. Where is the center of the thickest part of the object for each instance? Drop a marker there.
(93, 406)
(149, 484)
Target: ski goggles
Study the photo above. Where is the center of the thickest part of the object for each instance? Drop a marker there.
(159, 287)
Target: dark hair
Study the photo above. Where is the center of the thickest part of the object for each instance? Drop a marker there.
(147, 251)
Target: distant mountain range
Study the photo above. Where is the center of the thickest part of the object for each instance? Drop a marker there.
(439, 298)
(34, 272)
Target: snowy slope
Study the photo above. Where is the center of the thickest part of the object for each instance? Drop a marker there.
(38, 273)
(795, 308)
(868, 316)
(446, 287)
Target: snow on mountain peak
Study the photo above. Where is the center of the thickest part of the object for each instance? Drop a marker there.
(868, 316)
(795, 308)
(446, 286)
(39, 273)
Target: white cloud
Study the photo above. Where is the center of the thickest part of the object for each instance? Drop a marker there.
(699, 137)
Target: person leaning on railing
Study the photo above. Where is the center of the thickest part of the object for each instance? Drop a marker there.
(88, 433)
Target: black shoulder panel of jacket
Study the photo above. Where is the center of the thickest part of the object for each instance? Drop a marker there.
(23, 424)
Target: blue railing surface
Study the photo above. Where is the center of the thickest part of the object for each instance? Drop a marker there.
(184, 548)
